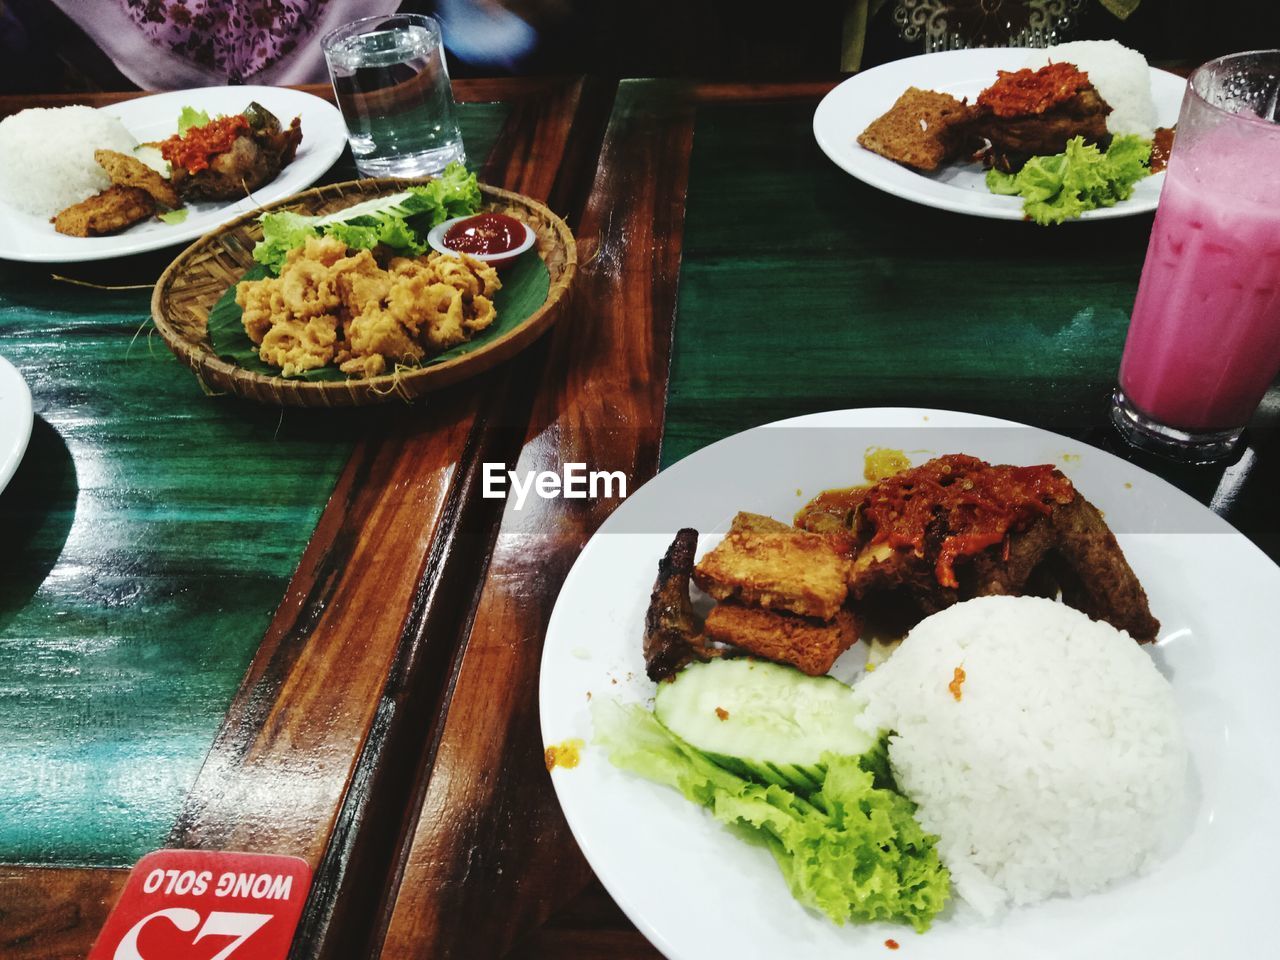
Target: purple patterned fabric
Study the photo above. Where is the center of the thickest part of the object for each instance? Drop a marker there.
(237, 38)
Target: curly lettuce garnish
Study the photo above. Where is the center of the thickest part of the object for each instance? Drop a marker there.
(1065, 185)
(852, 850)
(399, 222)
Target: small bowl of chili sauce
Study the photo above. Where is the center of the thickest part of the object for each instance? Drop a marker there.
(495, 238)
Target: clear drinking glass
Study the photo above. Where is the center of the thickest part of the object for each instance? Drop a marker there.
(392, 85)
(1204, 339)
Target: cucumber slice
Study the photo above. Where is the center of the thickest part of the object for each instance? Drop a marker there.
(762, 720)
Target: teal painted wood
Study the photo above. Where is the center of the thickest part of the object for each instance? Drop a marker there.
(145, 542)
(801, 290)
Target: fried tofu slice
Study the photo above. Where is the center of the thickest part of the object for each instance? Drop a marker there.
(113, 209)
(127, 171)
(922, 130)
(770, 564)
(807, 644)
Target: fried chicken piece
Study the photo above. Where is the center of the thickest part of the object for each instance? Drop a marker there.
(1014, 140)
(808, 644)
(1006, 571)
(1100, 581)
(107, 212)
(773, 565)
(250, 161)
(127, 171)
(922, 130)
(672, 633)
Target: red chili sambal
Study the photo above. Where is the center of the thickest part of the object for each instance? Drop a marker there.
(1019, 93)
(973, 504)
(485, 234)
(194, 149)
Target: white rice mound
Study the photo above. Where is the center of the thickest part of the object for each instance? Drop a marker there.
(46, 156)
(1063, 766)
(1120, 75)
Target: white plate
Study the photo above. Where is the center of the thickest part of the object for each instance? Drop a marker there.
(960, 187)
(33, 239)
(697, 892)
(15, 420)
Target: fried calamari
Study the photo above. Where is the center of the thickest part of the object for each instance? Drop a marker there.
(331, 306)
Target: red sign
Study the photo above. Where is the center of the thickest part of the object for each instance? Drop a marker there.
(197, 905)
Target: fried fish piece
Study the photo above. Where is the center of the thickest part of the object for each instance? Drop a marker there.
(672, 633)
(773, 565)
(923, 129)
(127, 171)
(809, 644)
(113, 209)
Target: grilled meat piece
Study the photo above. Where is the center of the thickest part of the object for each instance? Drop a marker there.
(1014, 140)
(113, 209)
(127, 171)
(809, 645)
(770, 564)
(672, 633)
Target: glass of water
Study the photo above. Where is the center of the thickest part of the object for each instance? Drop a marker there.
(392, 86)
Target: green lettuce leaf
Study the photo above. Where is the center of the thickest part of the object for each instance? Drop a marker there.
(853, 850)
(1065, 185)
(191, 117)
(400, 222)
(281, 232)
(175, 216)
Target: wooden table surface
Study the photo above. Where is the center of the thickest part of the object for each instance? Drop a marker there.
(227, 628)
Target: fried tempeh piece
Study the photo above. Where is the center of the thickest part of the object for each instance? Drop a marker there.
(773, 565)
(127, 171)
(922, 130)
(810, 645)
(672, 633)
(113, 209)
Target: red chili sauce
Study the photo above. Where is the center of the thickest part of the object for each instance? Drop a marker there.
(978, 503)
(1161, 147)
(485, 233)
(193, 150)
(1020, 93)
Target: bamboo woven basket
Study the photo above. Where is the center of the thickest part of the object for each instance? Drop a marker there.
(193, 283)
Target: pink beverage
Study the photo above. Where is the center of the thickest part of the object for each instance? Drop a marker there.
(1204, 339)
(1204, 342)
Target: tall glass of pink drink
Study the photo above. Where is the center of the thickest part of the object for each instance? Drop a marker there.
(1204, 339)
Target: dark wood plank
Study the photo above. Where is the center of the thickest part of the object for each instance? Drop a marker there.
(53, 913)
(491, 856)
(528, 158)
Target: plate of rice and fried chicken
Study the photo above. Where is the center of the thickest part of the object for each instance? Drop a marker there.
(918, 680)
(953, 130)
(79, 183)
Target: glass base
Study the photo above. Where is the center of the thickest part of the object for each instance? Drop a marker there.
(422, 164)
(1140, 431)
